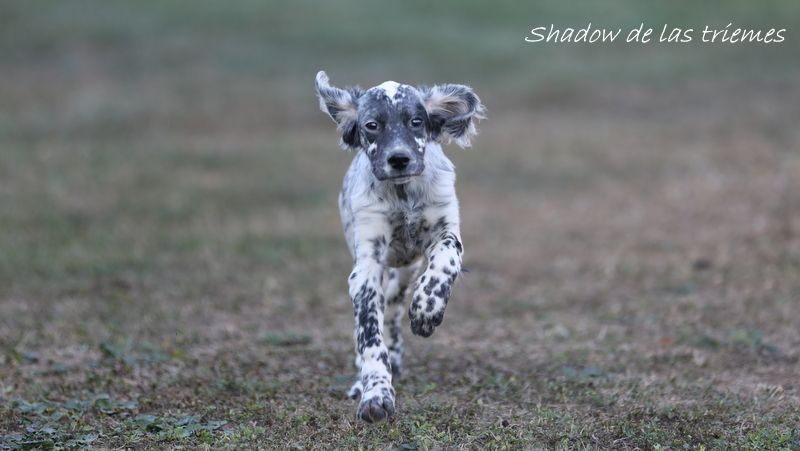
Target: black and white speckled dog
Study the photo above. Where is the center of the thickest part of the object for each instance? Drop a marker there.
(399, 209)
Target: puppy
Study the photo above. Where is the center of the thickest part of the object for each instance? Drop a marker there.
(400, 215)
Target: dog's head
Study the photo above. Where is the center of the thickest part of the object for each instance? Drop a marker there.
(393, 122)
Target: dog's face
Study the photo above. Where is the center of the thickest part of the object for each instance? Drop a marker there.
(393, 122)
(394, 126)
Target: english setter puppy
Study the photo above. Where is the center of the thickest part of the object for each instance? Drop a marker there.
(400, 214)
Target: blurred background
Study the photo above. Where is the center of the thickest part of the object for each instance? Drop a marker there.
(170, 245)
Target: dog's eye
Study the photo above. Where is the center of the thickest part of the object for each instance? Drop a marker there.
(371, 125)
(416, 122)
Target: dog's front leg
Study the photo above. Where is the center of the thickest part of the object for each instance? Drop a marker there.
(375, 378)
(435, 284)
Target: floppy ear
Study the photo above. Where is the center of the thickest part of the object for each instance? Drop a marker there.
(452, 110)
(342, 106)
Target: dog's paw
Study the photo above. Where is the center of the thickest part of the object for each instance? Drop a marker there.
(431, 294)
(376, 408)
(426, 312)
(423, 323)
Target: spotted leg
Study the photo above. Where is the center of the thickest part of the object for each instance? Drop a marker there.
(375, 378)
(396, 287)
(433, 288)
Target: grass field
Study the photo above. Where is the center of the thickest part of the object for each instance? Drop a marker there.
(172, 269)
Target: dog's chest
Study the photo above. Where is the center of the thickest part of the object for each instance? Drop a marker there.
(409, 233)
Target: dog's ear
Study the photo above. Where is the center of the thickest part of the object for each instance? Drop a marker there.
(452, 111)
(342, 106)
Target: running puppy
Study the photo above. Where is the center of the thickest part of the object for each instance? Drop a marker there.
(400, 214)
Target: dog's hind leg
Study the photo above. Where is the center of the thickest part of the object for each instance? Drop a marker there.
(395, 290)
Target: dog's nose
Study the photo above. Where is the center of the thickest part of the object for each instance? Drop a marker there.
(398, 161)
